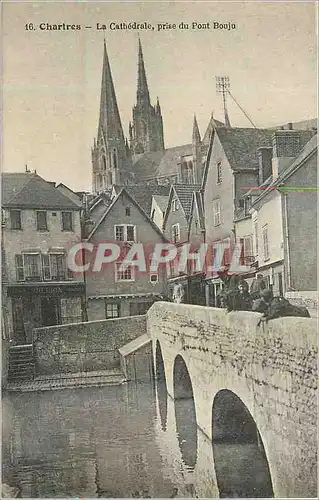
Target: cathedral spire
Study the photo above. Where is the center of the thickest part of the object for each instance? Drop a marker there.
(142, 87)
(109, 121)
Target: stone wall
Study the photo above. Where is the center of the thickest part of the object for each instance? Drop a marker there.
(271, 368)
(82, 347)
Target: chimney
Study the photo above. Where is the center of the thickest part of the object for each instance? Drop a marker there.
(290, 126)
(265, 163)
(286, 146)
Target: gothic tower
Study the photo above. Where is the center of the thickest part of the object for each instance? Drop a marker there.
(146, 130)
(110, 154)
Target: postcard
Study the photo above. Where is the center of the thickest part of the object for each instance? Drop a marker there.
(158, 249)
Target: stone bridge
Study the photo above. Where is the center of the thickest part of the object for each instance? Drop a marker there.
(242, 400)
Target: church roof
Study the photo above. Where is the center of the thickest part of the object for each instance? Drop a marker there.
(159, 163)
(29, 190)
(109, 119)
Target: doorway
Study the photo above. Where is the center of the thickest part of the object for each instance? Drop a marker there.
(50, 311)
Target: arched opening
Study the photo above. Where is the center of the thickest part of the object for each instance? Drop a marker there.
(241, 464)
(185, 413)
(161, 385)
(109, 179)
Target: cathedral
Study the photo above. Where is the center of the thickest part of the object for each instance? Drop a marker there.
(117, 160)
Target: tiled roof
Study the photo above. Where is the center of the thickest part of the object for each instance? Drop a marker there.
(159, 163)
(184, 193)
(143, 193)
(29, 190)
(241, 145)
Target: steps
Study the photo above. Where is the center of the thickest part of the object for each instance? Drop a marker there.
(68, 381)
(21, 363)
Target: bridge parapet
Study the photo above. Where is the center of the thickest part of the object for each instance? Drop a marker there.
(271, 368)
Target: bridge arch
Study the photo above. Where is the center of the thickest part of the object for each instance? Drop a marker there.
(161, 385)
(185, 412)
(240, 461)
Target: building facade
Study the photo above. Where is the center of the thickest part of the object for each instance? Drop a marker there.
(39, 226)
(113, 290)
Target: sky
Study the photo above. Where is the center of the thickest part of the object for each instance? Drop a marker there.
(51, 79)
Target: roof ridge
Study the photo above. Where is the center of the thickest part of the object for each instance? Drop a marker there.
(124, 190)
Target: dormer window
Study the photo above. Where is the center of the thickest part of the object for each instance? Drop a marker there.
(175, 205)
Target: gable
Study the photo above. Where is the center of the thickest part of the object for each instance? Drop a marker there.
(116, 214)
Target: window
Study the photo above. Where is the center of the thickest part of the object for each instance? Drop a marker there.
(247, 250)
(265, 242)
(175, 233)
(256, 237)
(114, 157)
(175, 205)
(15, 218)
(112, 310)
(219, 172)
(19, 268)
(42, 220)
(67, 221)
(154, 278)
(57, 264)
(248, 246)
(125, 232)
(127, 211)
(125, 274)
(71, 310)
(247, 205)
(46, 271)
(31, 263)
(216, 212)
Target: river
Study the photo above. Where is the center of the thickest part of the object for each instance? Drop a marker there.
(117, 441)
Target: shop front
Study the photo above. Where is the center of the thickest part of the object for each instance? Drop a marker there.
(34, 305)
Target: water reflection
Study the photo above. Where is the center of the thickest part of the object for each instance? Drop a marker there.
(185, 413)
(111, 442)
(161, 386)
(86, 442)
(240, 461)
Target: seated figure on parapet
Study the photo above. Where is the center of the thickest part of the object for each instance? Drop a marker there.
(276, 307)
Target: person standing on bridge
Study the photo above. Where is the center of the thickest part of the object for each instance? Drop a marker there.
(257, 286)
